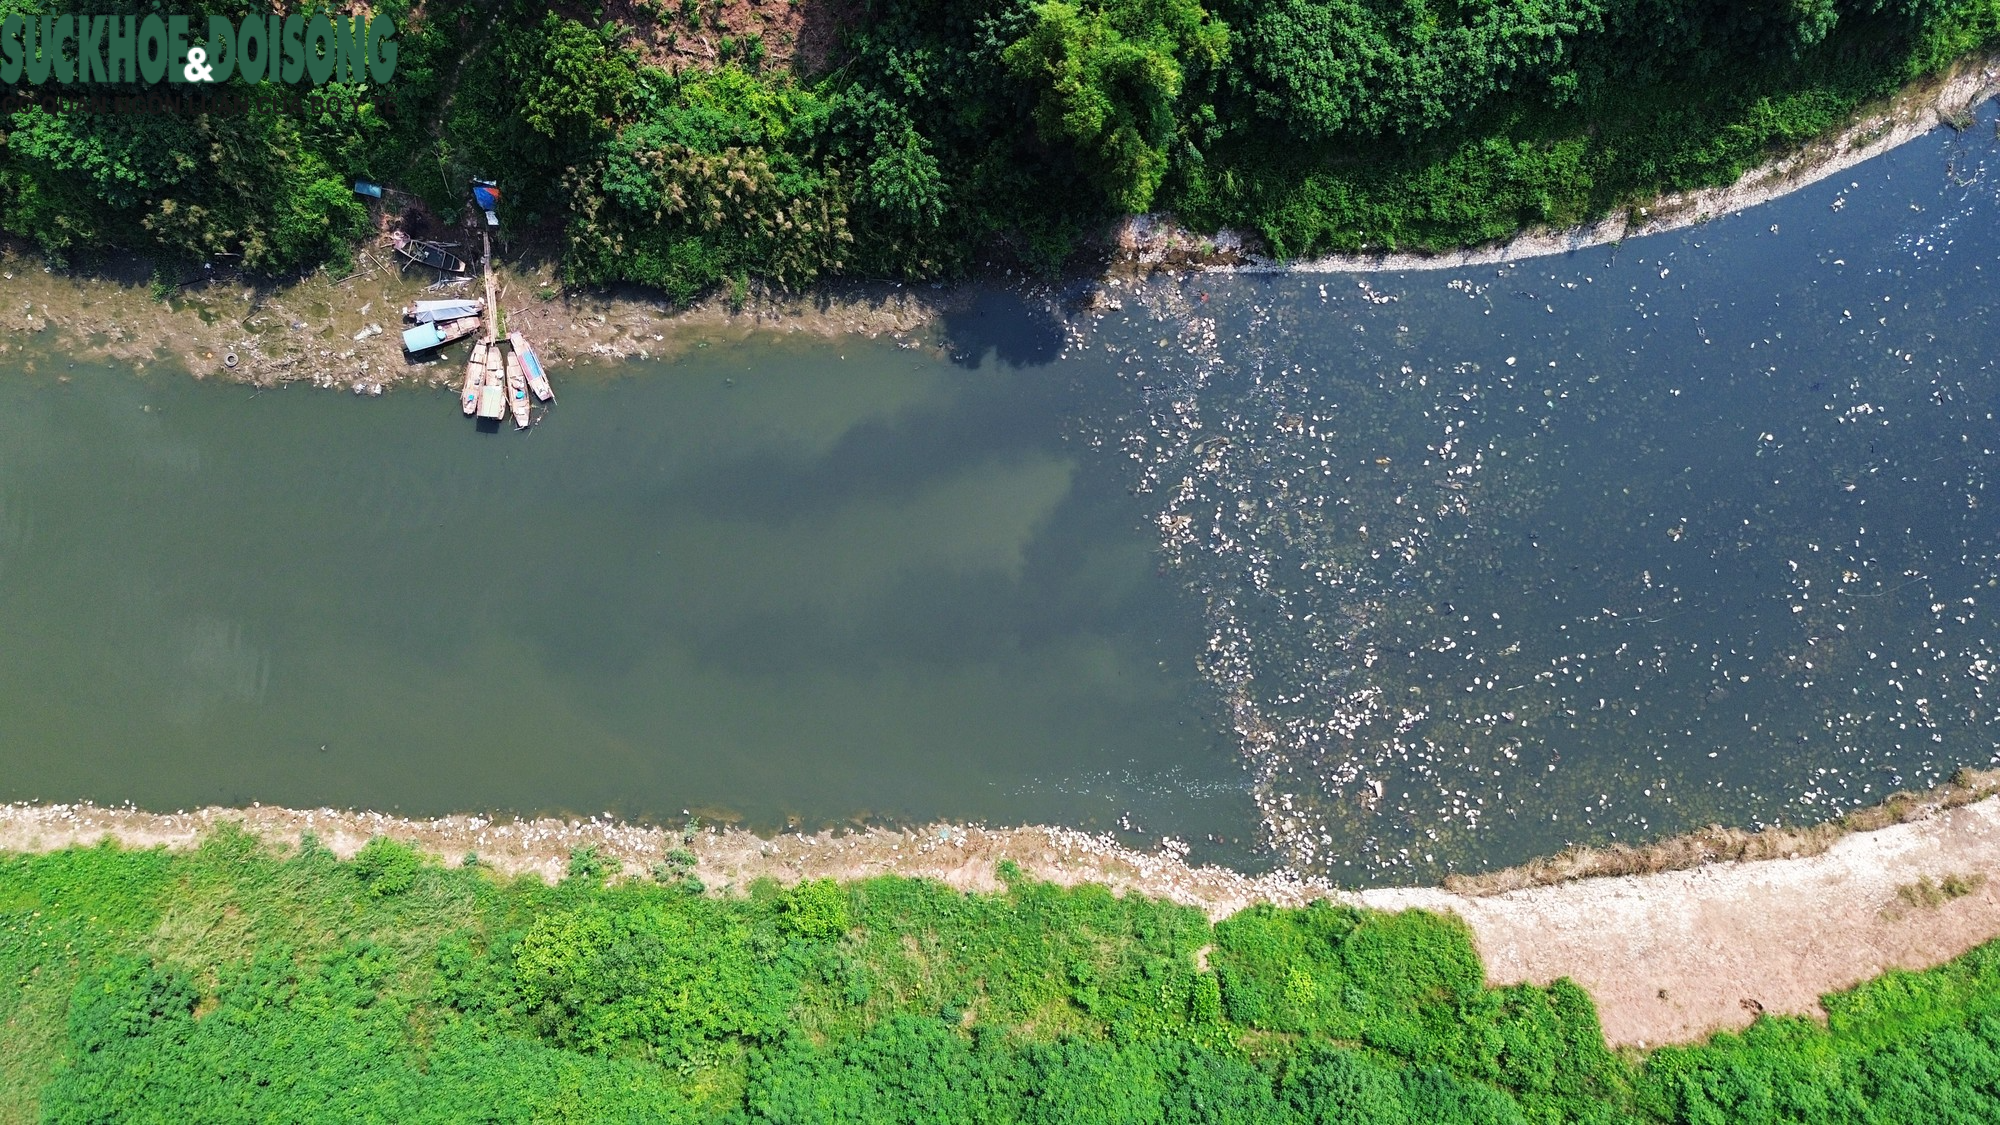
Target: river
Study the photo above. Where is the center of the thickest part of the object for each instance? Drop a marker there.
(1378, 575)
(772, 582)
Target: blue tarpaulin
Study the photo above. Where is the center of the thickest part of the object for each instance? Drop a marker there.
(422, 338)
(486, 195)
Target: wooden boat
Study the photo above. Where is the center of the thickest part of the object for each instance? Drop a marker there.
(427, 253)
(429, 312)
(424, 337)
(475, 378)
(492, 390)
(531, 366)
(517, 390)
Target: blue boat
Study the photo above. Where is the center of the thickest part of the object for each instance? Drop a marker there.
(424, 337)
(531, 366)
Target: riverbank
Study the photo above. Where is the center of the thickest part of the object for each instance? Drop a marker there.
(247, 979)
(343, 332)
(1149, 242)
(340, 332)
(1670, 956)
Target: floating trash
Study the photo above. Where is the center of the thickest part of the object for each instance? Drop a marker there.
(1724, 564)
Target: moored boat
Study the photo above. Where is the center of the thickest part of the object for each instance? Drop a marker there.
(432, 311)
(424, 337)
(492, 390)
(517, 390)
(475, 378)
(531, 366)
(427, 253)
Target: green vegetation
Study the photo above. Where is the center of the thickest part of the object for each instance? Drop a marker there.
(1930, 893)
(238, 984)
(938, 132)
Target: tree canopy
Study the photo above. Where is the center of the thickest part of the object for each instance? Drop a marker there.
(934, 134)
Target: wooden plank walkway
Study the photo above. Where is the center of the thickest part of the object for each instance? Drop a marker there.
(486, 268)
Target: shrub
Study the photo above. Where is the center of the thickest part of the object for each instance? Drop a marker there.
(386, 867)
(589, 864)
(484, 999)
(816, 908)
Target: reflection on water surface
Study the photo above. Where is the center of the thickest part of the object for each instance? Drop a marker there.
(1615, 544)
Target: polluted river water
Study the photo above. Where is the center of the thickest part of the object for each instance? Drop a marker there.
(1377, 576)
(769, 582)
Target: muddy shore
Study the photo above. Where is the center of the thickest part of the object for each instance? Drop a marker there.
(1669, 956)
(341, 331)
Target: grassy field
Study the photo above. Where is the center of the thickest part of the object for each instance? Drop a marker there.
(235, 983)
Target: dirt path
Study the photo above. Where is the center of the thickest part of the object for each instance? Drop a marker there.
(1674, 956)
(436, 127)
(1669, 957)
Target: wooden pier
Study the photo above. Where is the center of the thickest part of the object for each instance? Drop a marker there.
(486, 269)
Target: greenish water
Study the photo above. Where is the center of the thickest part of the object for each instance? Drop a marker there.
(769, 579)
(1384, 575)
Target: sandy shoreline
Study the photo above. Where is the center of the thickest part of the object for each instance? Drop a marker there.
(341, 332)
(1669, 957)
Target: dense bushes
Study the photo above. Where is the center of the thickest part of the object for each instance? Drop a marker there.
(1348, 68)
(231, 984)
(269, 188)
(709, 186)
(1108, 80)
(938, 130)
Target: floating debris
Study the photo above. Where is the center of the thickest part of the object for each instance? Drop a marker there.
(1464, 609)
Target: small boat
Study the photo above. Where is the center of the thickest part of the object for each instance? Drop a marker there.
(475, 378)
(424, 312)
(427, 253)
(492, 390)
(531, 366)
(424, 337)
(517, 390)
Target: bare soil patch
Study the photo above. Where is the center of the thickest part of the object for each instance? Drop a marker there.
(802, 36)
(344, 331)
(1674, 956)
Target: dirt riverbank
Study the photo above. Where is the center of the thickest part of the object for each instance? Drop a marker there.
(342, 331)
(1669, 957)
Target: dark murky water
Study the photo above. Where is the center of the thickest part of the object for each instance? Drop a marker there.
(1422, 571)
(1609, 545)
